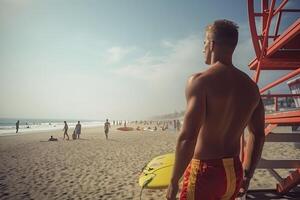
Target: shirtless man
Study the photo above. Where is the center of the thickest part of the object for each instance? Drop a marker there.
(65, 129)
(106, 128)
(17, 126)
(221, 102)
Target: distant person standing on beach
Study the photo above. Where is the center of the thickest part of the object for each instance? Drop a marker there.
(65, 129)
(178, 125)
(175, 123)
(78, 129)
(106, 128)
(17, 126)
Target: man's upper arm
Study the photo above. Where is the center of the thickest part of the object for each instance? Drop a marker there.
(196, 108)
(256, 124)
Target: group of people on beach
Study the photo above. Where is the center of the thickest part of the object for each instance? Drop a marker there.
(18, 125)
(76, 132)
(159, 125)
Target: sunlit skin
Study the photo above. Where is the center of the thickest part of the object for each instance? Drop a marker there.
(221, 102)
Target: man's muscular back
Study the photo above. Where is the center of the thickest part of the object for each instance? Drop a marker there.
(230, 100)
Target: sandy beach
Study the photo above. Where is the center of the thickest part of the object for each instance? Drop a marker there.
(95, 168)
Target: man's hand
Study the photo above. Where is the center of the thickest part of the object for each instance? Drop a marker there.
(172, 191)
(244, 187)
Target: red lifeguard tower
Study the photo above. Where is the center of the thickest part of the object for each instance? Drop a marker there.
(279, 50)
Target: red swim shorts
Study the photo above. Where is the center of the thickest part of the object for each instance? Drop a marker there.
(217, 179)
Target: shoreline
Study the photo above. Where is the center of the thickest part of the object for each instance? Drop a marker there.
(37, 130)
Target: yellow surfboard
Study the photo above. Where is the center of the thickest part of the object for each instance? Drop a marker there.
(157, 173)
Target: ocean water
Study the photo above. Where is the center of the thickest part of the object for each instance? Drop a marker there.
(8, 126)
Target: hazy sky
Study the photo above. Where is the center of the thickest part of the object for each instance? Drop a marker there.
(93, 59)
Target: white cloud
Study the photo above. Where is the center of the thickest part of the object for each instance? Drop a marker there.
(163, 77)
(184, 56)
(117, 53)
(167, 44)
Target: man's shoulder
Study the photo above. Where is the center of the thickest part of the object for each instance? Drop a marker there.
(249, 84)
(248, 80)
(196, 83)
(196, 77)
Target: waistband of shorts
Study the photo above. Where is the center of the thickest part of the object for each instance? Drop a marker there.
(217, 162)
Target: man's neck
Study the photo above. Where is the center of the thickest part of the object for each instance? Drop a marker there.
(224, 59)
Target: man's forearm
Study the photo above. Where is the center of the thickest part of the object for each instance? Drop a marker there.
(184, 153)
(255, 149)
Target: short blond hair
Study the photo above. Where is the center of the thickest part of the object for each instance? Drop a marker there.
(223, 32)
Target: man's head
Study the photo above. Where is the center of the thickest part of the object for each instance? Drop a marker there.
(107, 120)
(78, 122)
(65, 122)
(220, 37)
